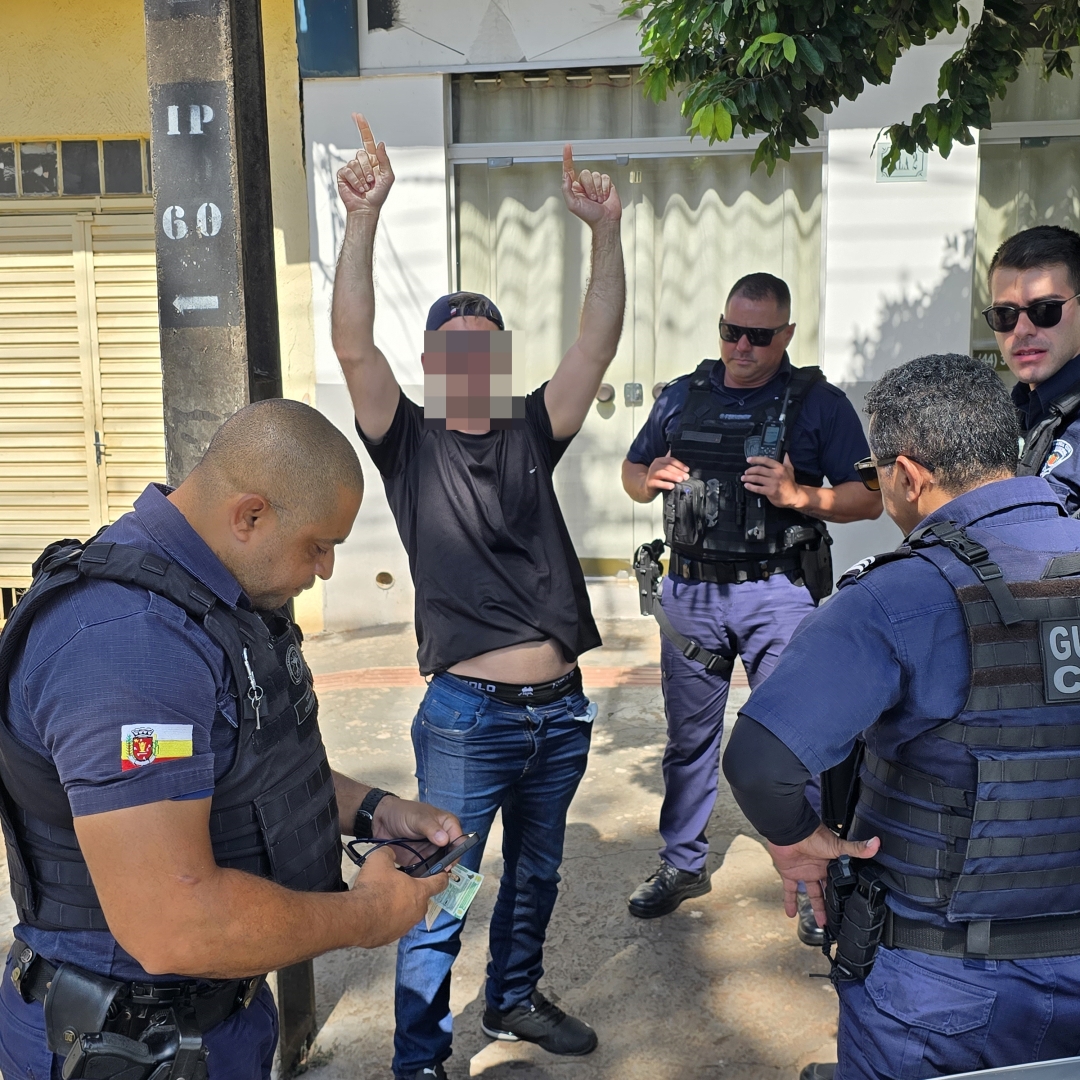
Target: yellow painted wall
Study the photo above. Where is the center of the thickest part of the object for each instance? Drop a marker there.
(72, 67)
(291, 237)
(78, 67)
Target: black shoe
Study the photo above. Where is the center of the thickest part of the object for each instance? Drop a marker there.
(429, 1072)
(809, 931)
(539, 1021)
(665, 890)
(818, 1071)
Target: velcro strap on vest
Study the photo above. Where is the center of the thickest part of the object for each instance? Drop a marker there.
(1019, 847)
(917, 784)
(1011, 939)
(1027, 809)
(955, 825)
(1061, 877)
(1034, 737)
(930, 858)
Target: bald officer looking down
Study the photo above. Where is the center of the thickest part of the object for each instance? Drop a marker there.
(170, 816)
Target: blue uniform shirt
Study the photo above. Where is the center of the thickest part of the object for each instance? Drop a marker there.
(890, 651)
(102, 657)
(826, 440)
(1062, 468)
(888, 656)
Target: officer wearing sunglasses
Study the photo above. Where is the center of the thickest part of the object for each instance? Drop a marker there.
(1035, 316)
(740, 449)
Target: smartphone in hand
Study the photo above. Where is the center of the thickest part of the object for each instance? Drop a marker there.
(439, 860)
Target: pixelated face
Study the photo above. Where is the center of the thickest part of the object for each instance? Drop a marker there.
(468, 381)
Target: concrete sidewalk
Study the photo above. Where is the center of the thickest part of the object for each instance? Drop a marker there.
(717, 989)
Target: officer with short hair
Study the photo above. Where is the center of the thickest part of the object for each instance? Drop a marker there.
(171, 820)
(953, 666)
(1035, 316)
(741, 450)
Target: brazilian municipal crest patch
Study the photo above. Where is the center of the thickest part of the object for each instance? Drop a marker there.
(1060, 452)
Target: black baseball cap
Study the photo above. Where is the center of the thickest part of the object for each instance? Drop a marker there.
(462, 303)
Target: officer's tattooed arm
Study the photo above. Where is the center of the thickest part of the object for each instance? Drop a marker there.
(644, 482)
(170, 905)
(363, 185)
(775, 480)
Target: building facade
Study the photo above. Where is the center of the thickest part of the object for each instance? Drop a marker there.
(474, 100)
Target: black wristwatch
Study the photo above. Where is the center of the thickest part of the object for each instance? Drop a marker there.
(362, 824)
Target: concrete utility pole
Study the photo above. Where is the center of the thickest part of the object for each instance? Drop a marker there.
(217, 294)
(217, 297)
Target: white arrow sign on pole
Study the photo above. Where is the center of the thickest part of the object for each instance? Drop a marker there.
(195, 303)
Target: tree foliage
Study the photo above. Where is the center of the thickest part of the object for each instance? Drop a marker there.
(763, 65)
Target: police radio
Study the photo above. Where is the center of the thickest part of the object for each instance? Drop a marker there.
(769, 444)
(771, 440)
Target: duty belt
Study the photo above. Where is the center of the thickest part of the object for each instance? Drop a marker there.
(212, 1003)
(733, 573)
(999, 939)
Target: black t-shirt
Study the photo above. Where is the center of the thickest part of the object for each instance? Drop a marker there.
(491, 560)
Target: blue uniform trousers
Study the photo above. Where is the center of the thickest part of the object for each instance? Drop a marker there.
(756, 620)
(241, 1048)
(917, 1016)
(476, 755)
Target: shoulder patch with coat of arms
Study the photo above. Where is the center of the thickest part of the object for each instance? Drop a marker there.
(1061, 451)
(143, 744)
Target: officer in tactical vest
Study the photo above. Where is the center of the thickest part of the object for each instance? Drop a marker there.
(171, 820)
(740, 449)
(1035, 316)
(949, 669)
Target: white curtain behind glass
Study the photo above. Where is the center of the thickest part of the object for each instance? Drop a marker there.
(691, 228)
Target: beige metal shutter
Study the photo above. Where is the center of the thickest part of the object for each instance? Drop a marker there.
(47, 475)
(81, 428)
(128, 358)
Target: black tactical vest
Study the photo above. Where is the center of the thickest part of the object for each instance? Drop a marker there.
(273, 814)
(1039, 441)
(981, 821)
(711, 516)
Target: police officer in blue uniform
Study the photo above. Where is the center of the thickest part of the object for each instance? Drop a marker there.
(1035, 316)
(952, 667)
(171, 820)
(740, 449)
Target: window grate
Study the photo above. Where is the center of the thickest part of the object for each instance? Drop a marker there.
(74, 167)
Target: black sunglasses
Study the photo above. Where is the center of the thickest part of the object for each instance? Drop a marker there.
(758, 336)
(465, 303)
(868, 469)
(1043, 313)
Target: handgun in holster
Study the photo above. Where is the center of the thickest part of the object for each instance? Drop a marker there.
(78, 1005)
(648, 571)
(171, 1048)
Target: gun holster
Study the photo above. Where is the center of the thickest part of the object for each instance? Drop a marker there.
(170, 1048)
(648, 571)
(855, 913)
(79, 1004)
(77, 1001)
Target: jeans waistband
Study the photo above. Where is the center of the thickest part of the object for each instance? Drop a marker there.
(524, 693)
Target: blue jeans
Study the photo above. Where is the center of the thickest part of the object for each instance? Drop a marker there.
(476, 755)
(241, 1048)
(917, 1016)
(754, 620)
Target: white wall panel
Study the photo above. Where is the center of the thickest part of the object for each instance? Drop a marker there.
(411, 271)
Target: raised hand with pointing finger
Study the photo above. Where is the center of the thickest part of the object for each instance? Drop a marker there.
(365, 182)
(589, 195)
